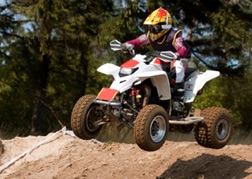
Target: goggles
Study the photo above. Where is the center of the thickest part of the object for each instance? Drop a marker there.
(155, 29)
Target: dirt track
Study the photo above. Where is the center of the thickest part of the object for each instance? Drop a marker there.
(64, 156)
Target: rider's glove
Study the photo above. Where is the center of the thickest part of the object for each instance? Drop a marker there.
(127, 47)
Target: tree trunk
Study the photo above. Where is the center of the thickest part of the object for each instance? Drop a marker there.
(82, 74)
(39, 111)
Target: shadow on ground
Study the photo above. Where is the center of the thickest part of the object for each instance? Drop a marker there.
(208, 167)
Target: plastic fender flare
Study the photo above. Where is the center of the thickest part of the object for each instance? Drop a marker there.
(160, 80)
(196, 83)
(109, 69)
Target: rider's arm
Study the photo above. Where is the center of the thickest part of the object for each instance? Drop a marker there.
(180, 48)
(140, 41)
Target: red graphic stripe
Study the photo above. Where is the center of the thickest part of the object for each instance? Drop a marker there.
(130, 64)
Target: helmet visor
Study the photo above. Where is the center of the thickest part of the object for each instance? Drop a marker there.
(155, 29)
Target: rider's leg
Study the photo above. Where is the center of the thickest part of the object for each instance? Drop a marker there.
(178, 86)
(178, 97)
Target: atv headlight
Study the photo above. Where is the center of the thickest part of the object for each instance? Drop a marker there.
(127, 71)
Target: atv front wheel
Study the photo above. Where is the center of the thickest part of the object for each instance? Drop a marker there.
(84, 116)
(215, 131)
(151, 127)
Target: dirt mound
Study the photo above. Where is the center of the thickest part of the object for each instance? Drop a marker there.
(64, 156)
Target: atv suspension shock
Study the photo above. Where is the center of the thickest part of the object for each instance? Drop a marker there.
(136, 98)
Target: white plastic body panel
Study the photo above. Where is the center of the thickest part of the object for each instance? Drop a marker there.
(194, 84)
(158, 77)
(152, 71)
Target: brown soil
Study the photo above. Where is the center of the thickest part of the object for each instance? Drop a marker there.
(65, 156)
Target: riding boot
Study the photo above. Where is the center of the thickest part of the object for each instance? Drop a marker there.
(178, 97)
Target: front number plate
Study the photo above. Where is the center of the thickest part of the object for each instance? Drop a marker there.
(107, 94)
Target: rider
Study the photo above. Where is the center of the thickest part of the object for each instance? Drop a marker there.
(163, 37)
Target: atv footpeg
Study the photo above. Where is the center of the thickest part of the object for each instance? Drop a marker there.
(187, 120)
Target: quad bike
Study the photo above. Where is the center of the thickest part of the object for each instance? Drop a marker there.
(141, 95)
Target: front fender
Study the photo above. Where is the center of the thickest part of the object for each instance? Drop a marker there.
(109, 69)
(160, 80)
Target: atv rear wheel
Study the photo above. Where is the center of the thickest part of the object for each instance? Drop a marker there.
(84, 116)
(215, 131)
(151, 127)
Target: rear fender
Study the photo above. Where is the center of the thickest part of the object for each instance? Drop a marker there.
(196, 83)
(160, 80)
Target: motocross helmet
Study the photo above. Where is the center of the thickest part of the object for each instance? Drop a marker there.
(158, 23)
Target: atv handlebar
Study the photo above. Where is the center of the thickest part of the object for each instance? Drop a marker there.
(116, 45)
(166, 56)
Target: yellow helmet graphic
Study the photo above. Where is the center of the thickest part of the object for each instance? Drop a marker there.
(159, 22)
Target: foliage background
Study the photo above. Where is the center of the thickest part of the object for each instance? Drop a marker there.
(50, 51)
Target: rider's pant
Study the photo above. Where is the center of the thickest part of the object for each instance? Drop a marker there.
(179, 70)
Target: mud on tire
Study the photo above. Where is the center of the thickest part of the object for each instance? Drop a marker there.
(151, 127)
(84, 116)
(215, 131)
